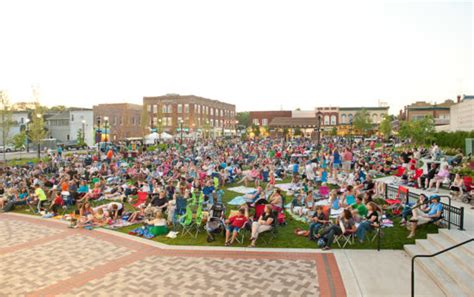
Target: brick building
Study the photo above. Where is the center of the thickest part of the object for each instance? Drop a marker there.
(264, 118)
(197, 114)
(420, 109)
(124, 120)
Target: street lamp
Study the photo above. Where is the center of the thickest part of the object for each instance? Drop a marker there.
(39, 142)
(151, 124)
(181, 129)
(83, 132)
(350, 130)
(159, 128)
(318, 129)
(98, 138)
(207, 128)
(106, 126)
(27, 136)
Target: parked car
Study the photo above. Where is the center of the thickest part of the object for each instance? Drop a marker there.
(10, 148)
(74, 145)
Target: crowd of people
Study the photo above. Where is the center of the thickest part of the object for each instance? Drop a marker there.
(181, 186)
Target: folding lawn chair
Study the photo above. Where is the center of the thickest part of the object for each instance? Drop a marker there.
(187, 221)
(243, 232)
(344, 239)
(141, 199)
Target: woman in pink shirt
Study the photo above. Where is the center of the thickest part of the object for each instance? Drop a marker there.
(439, 178)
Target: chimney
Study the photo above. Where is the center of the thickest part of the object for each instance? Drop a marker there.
(459, 98)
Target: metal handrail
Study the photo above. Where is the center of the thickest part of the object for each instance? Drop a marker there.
(430, 256)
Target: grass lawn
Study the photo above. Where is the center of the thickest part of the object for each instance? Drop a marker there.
(394, 238)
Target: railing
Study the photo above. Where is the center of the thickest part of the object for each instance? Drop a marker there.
(430, 256)
(451, 215)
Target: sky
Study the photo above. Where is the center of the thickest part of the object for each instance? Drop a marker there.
(258, 55)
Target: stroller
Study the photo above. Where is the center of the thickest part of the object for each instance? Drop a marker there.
(215, 221)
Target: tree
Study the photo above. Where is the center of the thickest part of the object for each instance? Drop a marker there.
(37, 130)
(58, 108)
(386, 126)
(362, 121)
(334, 131)
(419, 131)
(6, 118)
(80, 137)
(244, 119)
(18, 140)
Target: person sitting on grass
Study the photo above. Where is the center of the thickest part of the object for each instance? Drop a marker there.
(298, 204)
(264, 223)
(372, 219)
(234, 224)
(41, 196)
(420, 217)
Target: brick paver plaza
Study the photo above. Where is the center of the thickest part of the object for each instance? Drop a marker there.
(45, 258)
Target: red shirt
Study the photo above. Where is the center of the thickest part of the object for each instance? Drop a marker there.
(238, 221)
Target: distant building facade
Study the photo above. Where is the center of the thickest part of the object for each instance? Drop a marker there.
(193, 113)
(124, 120)
(461, 115)
(264, 118)
(19, 120)
(71, 125)
(439, 112)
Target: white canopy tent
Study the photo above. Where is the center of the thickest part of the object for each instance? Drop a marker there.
(153, 137)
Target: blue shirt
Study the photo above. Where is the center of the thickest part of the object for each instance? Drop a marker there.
(435, 208)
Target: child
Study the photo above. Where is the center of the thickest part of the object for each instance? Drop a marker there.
(234, 224)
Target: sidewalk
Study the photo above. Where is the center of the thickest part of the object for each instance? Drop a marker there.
(367, 273)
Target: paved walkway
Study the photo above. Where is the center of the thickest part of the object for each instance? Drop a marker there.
(41, 257)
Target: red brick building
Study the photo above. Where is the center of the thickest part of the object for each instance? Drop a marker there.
(123, 120)
(167, 112)
(264, 118)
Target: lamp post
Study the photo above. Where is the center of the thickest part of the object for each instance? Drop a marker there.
(39, 142)
(159, 129)
(350, 130)
(98, 138)
(27, 121)
(181, 130)
(106, 126)
(236, 127)
(83, 132)
(223, 126)
(318, 129)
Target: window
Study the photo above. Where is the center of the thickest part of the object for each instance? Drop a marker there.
(164, 109)
(155, 108)
(264, 122)
(256, 122)
(72, 119)
(186, 108)
(350, 118)
(120, 120)
(343, 118)
(134, 121)
(149, 107)
(212, 111)
(374, 118)
(180, 108)
(333, 120)
(199, 108)
(326, 120)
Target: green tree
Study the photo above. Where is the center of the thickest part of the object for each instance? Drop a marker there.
(6, 118)
(256, 130)
(362, 121)
(244, 119)
(58, 108)
(18, 140)
(37, 130)
(419, 131)
(80, 137)
(334, 131)
(386, 126)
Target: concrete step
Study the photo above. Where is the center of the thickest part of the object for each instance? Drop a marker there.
(459, 272)
(441, 278)
(460, 255)
(456, 236)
